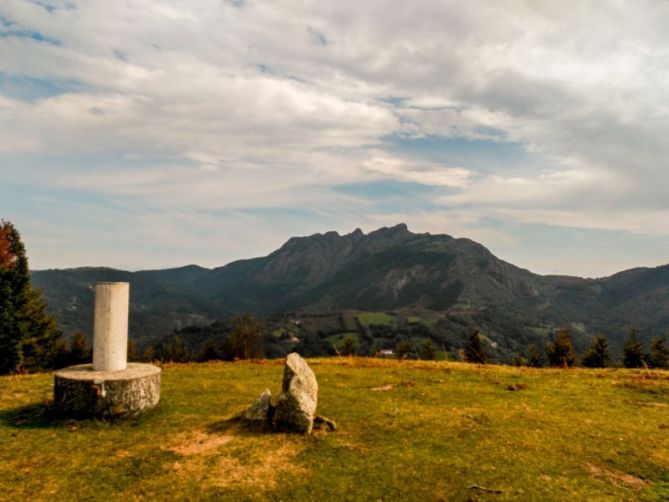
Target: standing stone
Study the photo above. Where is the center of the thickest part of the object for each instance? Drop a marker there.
(296, 406)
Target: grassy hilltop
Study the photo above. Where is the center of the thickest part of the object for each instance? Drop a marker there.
(407, 430)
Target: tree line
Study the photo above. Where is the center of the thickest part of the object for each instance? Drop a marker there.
(561, 353)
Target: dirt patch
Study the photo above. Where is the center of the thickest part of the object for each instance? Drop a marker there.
(259, 471)
(250, 466)
(198, 443)
(390, 386)
(616, 477)
(383, 388)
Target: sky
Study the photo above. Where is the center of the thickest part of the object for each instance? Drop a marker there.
(143, 134)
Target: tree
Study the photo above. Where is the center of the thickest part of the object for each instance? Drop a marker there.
(473, 349)
(176, 351)
(633, 356)
(242, 343)
(348, 346)
(535, 358)
(659, 354)
(561, 352)
(79, 351)
(597, 355)
(428, 352)
(209, 351)
(28, 333)
(402, 348)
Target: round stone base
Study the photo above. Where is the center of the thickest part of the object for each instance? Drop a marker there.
(81, 391)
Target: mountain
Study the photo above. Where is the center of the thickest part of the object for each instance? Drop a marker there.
(390, 269)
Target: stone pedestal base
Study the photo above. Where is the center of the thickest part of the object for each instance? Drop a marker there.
(81, 391)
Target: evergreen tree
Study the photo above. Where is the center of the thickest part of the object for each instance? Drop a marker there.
(659, 354)
(535, 358)
(473, 349)
(561, 352)
(597, 355)
(28, 334)
(633, 356)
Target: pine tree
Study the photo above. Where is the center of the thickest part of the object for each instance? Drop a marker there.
(28, 334)
(597, 355)
(473, 349)
(659, 354)
(535, 358)
(633, 356)
(561, 352)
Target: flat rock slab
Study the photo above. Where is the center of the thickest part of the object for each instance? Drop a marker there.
(82, 391)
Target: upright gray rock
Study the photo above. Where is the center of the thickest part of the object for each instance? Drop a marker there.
(296, 406)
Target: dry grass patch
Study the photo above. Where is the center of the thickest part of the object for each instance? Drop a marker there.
(616, 477)
(198, 442)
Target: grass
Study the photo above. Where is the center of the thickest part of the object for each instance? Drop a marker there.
(407, 430)
(367, 318)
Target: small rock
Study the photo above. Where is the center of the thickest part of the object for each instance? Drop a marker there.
(258, 412)
(296, 406)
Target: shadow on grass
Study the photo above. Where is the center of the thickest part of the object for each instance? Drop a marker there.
(43, 415)
(234, 424)
(34, 416)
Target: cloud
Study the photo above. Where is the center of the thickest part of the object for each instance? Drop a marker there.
(519, 112)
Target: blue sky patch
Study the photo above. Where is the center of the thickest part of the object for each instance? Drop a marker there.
(34, 89)
(478, 155)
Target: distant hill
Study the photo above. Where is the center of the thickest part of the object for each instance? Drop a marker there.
(390, 269)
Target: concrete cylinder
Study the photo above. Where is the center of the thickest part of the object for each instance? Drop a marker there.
(110, 333)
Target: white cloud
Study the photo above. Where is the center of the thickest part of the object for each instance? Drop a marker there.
(271, 104)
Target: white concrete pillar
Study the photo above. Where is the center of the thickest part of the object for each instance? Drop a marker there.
(110, 338)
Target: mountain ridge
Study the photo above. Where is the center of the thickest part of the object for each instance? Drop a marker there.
(389, 269)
